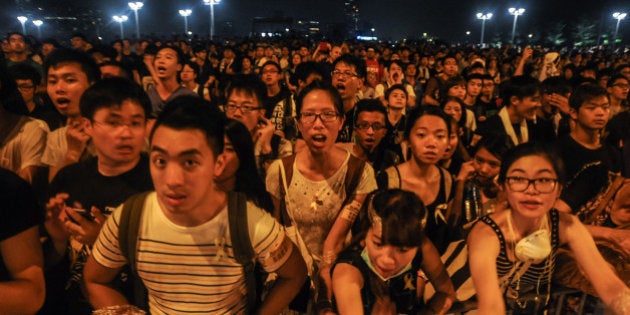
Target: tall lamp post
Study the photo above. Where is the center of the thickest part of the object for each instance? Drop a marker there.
(483, 17)
(211, 3)
(135, 6)
(121, 19)
(185, 13)
(516, 12)
(23, 20)
(617, 16)
(38, 24)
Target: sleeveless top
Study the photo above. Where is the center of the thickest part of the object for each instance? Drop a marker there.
(436, 228)
(401, 289)
(538, 276)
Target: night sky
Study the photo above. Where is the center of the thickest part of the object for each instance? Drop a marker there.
(392, 19)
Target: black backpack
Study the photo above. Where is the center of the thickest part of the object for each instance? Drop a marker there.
(239, 232)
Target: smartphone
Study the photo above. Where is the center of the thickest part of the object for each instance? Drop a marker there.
(86, 214)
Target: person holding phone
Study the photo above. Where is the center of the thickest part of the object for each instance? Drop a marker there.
(115, 112)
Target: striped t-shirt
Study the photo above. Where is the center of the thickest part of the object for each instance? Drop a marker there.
(192, 270)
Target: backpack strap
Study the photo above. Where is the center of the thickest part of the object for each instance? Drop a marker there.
(285, 181)
(242, 244)
(128, 240)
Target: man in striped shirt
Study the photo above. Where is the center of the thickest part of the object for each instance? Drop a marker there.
(184, 253)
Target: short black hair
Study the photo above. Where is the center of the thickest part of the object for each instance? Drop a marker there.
(584, 93)
(192, 112)
(23, 71)
(520, 87)
(250, 85)
(359, 64)
(64, 55)
(112, 92)
(420, 111)
(396, 87)
(273, 63)
(370, 105)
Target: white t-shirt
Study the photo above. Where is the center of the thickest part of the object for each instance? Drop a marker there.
(26, 148)
(192, 270)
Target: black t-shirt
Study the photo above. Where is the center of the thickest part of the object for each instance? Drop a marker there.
(584, 185)
(19, 210)
(85, 185)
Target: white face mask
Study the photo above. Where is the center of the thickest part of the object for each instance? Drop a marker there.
(366, 257)
(534, 247)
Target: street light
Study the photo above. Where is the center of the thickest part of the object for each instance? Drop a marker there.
(211, 3)
(38, 23)
(23, 20)
(618, 16)
(516, 13)
(483, 17)
(135, 6)
(185, 13)
(121, 19)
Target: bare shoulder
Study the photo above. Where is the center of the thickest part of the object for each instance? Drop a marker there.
(348, 274)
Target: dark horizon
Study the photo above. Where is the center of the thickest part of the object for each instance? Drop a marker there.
(392, 19)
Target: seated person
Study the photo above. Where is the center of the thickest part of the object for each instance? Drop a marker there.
(390, 260)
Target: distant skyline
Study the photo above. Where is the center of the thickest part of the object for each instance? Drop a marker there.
(391, 19)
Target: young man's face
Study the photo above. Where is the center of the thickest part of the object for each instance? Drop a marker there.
(270, 75)
(166, 63)
(66, 82)
(487, 88)
(345, 80)
(397, 99)
(182, 168)
(187, 74)
(473, 87)
(249, 108)
(17, 43)
(593, 114)
(525, 108)
(370, 129)
(450, 67)
(118, 133)
(619, 89)
(27, 89)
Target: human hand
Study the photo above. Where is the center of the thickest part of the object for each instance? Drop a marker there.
(264, 133)
(76, 138)
(82, 229)
(466, 172)
(55, 217)
(528, 52)
(559, 101)
(620, 240)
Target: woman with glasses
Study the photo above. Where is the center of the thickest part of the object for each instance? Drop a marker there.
(512, 252)
(312, 187)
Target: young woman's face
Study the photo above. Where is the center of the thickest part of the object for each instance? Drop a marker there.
(453, 109)
(231, 160)
(428, 139)
(486, 165)
(387, 260)
(453, 141)
(531, 186)
(319, 121)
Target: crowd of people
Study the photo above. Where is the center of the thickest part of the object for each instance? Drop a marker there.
(285, 176)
